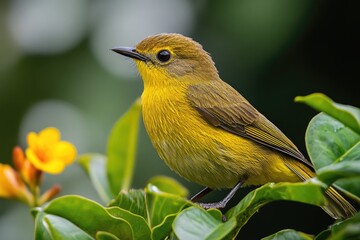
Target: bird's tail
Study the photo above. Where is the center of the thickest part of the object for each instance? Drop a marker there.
(337, 206)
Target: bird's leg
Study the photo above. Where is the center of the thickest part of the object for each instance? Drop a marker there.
(223, 202)
(197, 197)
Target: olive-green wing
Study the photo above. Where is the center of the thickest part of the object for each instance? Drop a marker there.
(222, 106)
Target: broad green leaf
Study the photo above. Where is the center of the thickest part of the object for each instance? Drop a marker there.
(121, 149)
(347, 229)
(288, 234)
(41, 230)
(52, 227)
(305, 192)
(329, 141)
(138, 223)
(196, 223)
(133, 200)
(105, 236)
(345, 175)
(162, 230)
(157, 208)
(161, 204)
(334, 172)
(88, 216)
(171, 237)
(348, 115)
(323, 235)
(94, 165)
(169, 185)
(216, 213)
(350, 186)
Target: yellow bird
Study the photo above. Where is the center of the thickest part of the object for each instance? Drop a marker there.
(206, 131)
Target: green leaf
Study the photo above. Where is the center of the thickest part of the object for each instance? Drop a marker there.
(121, 149)
(161, 204)
(348, 115)
(169, 185)
(348, 171)
(323, 235)
(162, 230)
(351, 186)
(138, 224)
(157, 208)
(41, 229)
(196, 223)
(288, 234)
(89, 216)
(48, 226)
(105, 236)
(334, 172)
(95, 167)
(216, 213)
(328, 141)
(133, 201)
(347, 229)
(305, 192)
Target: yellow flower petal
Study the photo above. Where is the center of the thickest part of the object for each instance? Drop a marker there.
(32, 140)
(50, 135)
(48, 153)
(65, 151)
(33, 158)
(54, 166)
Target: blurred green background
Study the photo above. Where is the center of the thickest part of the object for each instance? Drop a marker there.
(56, 69)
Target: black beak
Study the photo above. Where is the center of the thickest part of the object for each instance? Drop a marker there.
(130, 52)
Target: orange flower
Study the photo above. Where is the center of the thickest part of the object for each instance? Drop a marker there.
(48, 153)
(29, 173)
(11, 185)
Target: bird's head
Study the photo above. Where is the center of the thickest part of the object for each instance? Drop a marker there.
(165, 58)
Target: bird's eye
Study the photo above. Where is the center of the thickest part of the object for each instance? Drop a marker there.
(163, 56)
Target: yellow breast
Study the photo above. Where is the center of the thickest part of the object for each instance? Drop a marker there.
(202, 153)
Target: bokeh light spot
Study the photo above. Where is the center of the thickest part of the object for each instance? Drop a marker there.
(55, 113)
(47, 26)
(125, 23)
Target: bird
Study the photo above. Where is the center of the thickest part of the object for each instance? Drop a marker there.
(206, 131)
